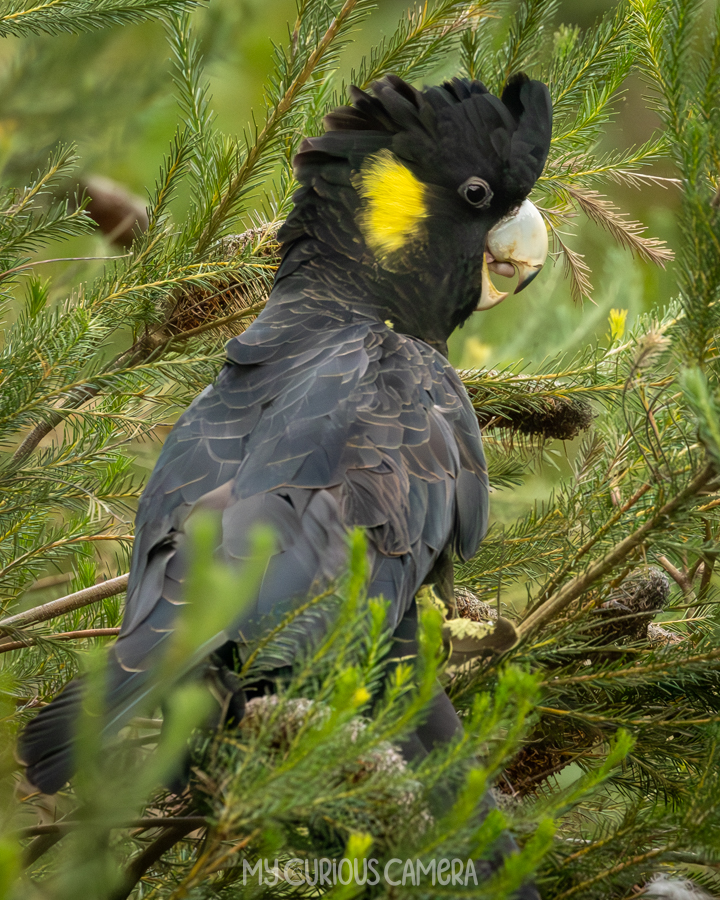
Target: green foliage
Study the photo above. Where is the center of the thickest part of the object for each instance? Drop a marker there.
(23, 17)
(599, 732)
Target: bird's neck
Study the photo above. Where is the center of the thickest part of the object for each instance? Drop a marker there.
(422, 302)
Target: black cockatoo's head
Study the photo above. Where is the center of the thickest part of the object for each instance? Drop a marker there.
(418, 194)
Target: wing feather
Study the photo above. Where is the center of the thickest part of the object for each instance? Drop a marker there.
(319, 421)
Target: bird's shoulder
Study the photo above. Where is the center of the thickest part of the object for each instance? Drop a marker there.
(311, 399)
(298, 386)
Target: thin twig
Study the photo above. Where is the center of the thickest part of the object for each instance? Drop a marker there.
(42, 262)
(39, 847)
(577, 586)
(598, 535)
(64, 542)
(144, 823)
(243, 313)
(66, 604)
(150, 855)
(614, 870)
(685, 583)
(677, 576)
(51, 581)
(31, 640)
(712, 656)
(643, 721)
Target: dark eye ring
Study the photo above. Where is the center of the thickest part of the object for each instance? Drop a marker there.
(477, 192)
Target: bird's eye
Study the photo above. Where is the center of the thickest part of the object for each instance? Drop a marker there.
(477, 192)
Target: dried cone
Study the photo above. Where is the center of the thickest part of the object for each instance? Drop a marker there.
(281, 721)
(537, 761)
(198, 307)
(634, 604)
(550, 418)
(662, 637)
(120, 215)
(470, 607)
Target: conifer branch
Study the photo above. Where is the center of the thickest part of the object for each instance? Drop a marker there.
(144, 823)
(575, 267)
(628, 234)
(63, 605)
(421, 35)
(75, 395)
(636, 860)
(81, 635)
(575, 588)
(26, 17)
(267, 134)
(524, 38)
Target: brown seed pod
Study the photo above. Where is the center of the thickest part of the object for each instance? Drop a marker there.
(470, 607)
(543, 756)
(532, 408)
(120, 215)
(198, 306)
(633, 605)
(558, 418)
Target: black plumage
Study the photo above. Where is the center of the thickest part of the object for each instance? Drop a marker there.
(337, 407)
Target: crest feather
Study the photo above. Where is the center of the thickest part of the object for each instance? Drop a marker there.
(513, 130)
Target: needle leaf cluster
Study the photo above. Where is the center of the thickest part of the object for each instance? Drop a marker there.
(598, 729)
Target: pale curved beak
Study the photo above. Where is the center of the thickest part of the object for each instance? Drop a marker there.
(519, 240)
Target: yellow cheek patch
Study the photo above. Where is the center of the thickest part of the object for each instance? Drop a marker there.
(394, 203)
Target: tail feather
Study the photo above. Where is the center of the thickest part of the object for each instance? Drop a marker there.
(47, 746)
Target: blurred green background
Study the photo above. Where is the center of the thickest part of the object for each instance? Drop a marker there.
(110, 93)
